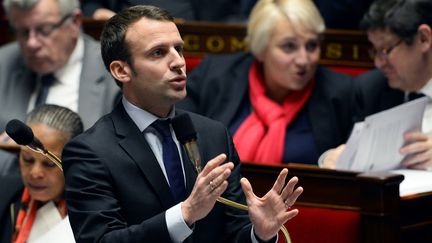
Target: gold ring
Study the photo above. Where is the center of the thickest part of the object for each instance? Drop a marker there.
(212, 187)
(287, 206)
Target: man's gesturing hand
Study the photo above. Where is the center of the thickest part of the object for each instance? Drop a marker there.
(271, 211)
(210, 184)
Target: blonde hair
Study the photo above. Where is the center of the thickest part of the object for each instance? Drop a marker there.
(266, 14)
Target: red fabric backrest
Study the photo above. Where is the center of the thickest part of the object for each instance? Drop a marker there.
(354, 71)
(323, 225)
(192, 62)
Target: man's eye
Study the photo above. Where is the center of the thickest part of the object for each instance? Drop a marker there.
(45, 30)
(22, 32)
(179, 49)
(158, 53)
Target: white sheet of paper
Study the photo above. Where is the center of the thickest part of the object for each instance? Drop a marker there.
(416, 181)
(376, 146)
(345, 160)
(61, 232)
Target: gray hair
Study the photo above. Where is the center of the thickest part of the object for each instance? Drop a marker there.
(65, 6)
(57, 117)
(266, 14)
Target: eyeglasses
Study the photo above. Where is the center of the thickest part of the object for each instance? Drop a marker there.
(42, 31)
(385, 52)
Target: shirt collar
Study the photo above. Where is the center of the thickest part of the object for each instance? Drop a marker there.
(142, 118)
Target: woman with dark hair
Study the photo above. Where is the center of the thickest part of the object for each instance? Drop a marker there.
(32, 204)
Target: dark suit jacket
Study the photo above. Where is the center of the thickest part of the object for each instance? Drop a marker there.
(116, 191)
(97, 89)
(11, 188)
(342, 14)
(374, 94)
(218, 85)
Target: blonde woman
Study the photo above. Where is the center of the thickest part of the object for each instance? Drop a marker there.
(278, 103)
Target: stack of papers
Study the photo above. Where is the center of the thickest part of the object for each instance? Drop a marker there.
(374, 144)
(416, 181)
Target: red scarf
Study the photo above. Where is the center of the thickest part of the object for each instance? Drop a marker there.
(27, 215)
(261, 137)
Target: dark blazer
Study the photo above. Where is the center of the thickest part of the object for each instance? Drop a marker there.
(374, 94)
(217, 87)
(97, 89)
(11, 188)
(342, 14)
(116, 191)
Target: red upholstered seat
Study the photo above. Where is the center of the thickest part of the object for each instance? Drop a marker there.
(354, 71)
(193, 61)
(322, 225)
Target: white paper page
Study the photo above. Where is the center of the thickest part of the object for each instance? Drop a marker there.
(382, 136)
(416, 181)
(346, 158)
(61, 232)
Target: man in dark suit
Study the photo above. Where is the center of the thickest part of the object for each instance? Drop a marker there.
(401, 34)
(119, 182)
(50, 41)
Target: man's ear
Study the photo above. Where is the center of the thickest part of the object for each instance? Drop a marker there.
(425, 37)
(121, 71)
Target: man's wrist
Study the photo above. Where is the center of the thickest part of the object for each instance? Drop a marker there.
(259, 240)
(186, 214)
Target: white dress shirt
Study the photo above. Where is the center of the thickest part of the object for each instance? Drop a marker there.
(177, 227)
(427, 116)
(65, 91)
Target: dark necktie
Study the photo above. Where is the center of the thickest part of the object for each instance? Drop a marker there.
(171, 160)
(46, 82)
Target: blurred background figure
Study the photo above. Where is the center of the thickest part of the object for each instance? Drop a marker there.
(337, 14)
(53, 62)
(399, 31)
(278, 103)
(343, 14)
(32, 206)
(200, 10)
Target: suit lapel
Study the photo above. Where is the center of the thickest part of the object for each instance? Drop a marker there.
(24, 81)
(190, 172)
(188, 165)
(136, 146)
(91, 87)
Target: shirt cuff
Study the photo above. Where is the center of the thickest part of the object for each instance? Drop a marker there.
(254, 239)
(177, 227)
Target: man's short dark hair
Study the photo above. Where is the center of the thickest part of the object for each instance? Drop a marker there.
(402, 17)
(113, 44)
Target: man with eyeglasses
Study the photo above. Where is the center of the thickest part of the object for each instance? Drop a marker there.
(401, 34)
(52, 61)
